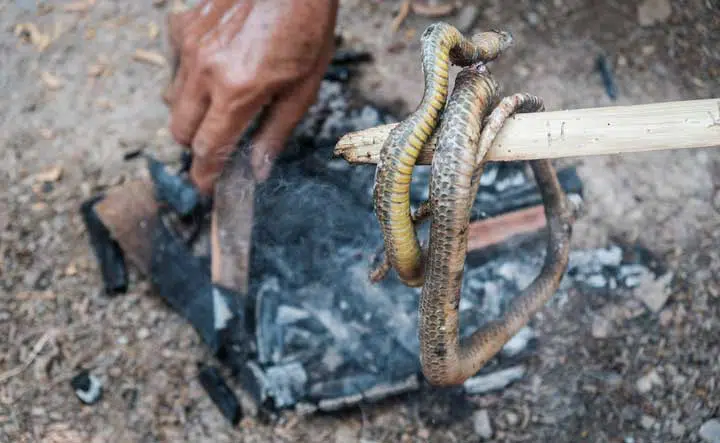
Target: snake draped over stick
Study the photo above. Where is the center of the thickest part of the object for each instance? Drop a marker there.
(466, 129)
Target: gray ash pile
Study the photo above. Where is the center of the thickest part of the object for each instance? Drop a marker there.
(314, 333)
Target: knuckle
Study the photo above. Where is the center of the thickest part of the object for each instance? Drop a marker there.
(180, 133)
(231, 80)
(189, 45)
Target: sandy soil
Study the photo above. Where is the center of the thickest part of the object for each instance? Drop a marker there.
(74, 100)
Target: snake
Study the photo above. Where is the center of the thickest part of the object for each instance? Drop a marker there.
(442, 44)
(466, 129)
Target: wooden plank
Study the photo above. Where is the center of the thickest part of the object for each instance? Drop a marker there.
(232, 223)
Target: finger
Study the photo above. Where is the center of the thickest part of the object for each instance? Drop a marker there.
(172, 91)
(282, 118)
(218, 135)
(177, 22)
(189, 107)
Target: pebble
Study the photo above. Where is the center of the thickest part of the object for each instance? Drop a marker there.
(344, 434)
(596, 281)
(143, 333)
(533, 18)
(645, 383)
(710, 431)
(482, 425)
(521, 70)
(512, 419)
(651, 12)
(677, 429)
(666, 317)
(600, 327)
(647, 422)
(654, 292)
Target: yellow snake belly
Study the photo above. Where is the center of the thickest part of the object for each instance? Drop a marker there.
(442, 44)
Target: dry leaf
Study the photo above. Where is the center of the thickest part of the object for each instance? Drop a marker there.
(30, 33)
(47, 133)
(44, 9)
(97, 70)
(39, 207)
(71, 269)
(433, 10)
(90, 33)
(52, 82)
(77, 6)
(52, 174)
(35, 295)
(153, 30)
(401, 16)
(104, 103)
(178, 6)
(150, 57)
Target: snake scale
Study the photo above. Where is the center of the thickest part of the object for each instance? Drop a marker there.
(466, 129)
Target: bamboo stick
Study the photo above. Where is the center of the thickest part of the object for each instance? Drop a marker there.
(574, 133)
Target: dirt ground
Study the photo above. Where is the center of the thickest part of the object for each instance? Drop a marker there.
(75, 99)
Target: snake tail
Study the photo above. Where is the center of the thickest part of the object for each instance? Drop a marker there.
(442, 44)
(446, 358)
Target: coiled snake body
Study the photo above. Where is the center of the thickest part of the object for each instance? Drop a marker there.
(466, 132)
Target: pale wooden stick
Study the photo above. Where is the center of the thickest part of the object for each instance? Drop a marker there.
(575, 133)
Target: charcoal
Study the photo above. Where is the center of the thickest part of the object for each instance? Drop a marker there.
(107, 251)
(236, 343)
(602, 64)
(183, 281)
(266, 311)
(220, 393)
(286, 384)
(87, 387)
(346, 56)
(172, 189)
(481, 384)
(337, 73)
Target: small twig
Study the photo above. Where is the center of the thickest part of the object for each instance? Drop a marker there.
(153, 58)
(402, 15)
(39, 345)
(433, 11)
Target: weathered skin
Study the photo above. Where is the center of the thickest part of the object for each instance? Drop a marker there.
(456, 169)
(237, 59)
(442, 44)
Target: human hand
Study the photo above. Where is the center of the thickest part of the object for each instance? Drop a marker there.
(235, 57)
